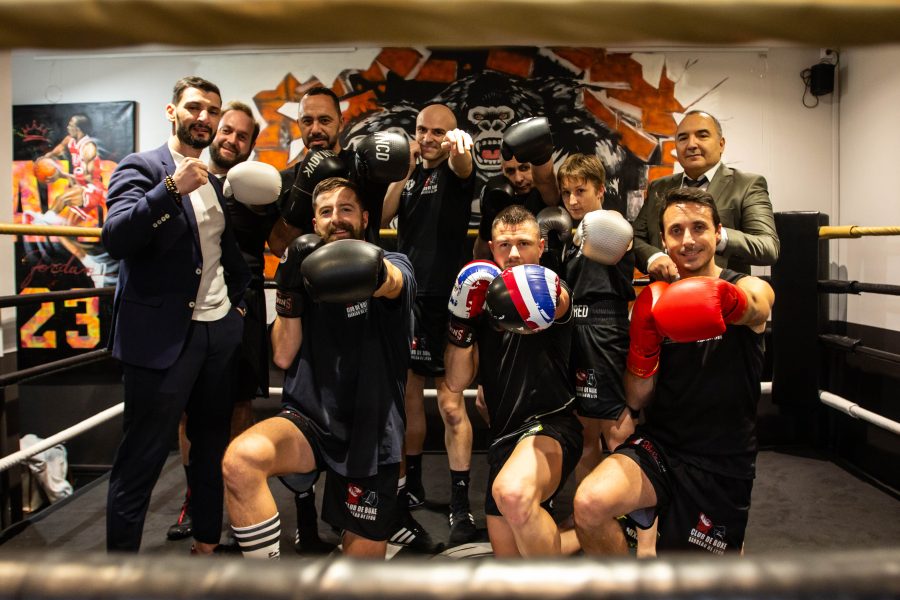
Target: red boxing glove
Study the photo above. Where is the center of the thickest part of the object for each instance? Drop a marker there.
(643, 350)
(698, 308)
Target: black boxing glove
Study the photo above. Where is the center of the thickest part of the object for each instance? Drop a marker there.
(382, 157)
(316, 167)
(556, 227)
(289, 295)
(529, 141)
(498, 192)
(344, 271)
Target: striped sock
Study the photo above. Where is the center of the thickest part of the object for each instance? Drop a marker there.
(261, 540)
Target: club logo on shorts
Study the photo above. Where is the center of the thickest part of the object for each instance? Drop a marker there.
(586, 384)
(708, 536)
(418, 349)
(353, 493)
(362, 504)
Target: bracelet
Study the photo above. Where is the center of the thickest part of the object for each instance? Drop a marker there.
(172, 189)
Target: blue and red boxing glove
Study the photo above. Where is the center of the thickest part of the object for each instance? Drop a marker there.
(467, 300)
(523, 299)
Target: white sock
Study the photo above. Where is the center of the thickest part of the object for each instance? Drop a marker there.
(262, 540)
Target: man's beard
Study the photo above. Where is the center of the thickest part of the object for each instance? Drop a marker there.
(356, 234)
(185, 137)
(320, 143)
(225, 163)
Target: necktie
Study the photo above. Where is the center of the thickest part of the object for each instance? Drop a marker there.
(688, 182)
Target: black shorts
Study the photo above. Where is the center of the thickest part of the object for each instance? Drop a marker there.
(430, 319)
(366, 506)
(564, 428)
(599, 350)
(697, 509)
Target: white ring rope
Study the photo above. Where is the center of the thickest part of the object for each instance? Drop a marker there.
(766, 387)
(64, 435)
(857, 412)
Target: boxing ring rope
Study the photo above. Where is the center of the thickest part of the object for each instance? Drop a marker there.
(800, 316)
(60, 230)
(869, 574)
(857, 412)
(63, 436)
(854, 231)
(854, 346)
(836, 286)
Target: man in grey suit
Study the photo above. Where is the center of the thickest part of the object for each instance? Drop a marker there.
(742, 199)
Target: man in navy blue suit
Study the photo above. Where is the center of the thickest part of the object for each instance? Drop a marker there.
(177, 321)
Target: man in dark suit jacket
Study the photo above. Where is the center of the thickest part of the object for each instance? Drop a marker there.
(742, 199)
(177, 321)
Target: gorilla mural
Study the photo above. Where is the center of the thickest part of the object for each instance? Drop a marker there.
(489, 89)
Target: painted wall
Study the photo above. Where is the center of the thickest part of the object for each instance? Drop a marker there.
(755, 92)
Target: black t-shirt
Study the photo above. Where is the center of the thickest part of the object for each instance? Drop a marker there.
(490, 209)
(524, 376)
(251, 228)
(372, 196)
(592, 282)
(433, 223)
(704, 410)
(349, 377)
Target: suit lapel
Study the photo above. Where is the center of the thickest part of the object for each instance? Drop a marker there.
(720, 181)
(186, 206)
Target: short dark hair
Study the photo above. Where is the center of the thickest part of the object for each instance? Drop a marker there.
(334, 183)
(515, 214)
(241, 107)
(324, 91)
(688, 194)
(192, 81)
(83, 122)
(582, 166)
(703, 113)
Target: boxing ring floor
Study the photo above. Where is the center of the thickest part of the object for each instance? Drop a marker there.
(801, 503)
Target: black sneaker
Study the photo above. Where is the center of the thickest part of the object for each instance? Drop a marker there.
(462, 528)
(311, 544)
(184, 526)
(415, 499)
(412, 535)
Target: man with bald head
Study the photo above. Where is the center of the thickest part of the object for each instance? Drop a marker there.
(742, 199)
(433, 206)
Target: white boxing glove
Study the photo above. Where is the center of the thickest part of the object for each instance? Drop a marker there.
(605, 236)
(253, 183)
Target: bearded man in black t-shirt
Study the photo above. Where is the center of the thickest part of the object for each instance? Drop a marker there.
(694, 366)
(372, 165)
(342, 335)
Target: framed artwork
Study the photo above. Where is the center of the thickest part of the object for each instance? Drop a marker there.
(63, 156)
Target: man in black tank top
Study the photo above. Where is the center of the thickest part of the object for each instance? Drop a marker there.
(535, 436)
(694, 365)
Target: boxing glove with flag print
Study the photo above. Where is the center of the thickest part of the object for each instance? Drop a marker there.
(467, 300)
(523, 299)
